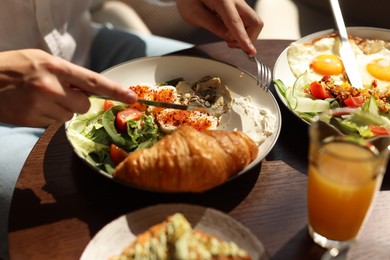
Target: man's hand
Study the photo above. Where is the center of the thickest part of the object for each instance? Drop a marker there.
(37, 89)
(232, 20)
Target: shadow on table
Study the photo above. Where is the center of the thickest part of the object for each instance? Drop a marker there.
(293, 142)
(300, 246)
(112, 199)
(80, 192)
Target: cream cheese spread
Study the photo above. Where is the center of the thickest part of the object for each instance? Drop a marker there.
(258, 123)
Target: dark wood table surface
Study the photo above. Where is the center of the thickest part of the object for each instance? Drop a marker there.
(59, 203)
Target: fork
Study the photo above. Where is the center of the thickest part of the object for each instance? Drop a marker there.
(264, 76)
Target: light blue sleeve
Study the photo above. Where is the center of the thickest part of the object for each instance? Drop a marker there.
(16, 144)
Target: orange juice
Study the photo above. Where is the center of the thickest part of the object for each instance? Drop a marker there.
(341, 184)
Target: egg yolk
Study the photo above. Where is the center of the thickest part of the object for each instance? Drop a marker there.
(380, 69)
(327, 64)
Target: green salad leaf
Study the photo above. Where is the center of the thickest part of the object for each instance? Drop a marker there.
(108, 121)
(92, 134)
(359, 122)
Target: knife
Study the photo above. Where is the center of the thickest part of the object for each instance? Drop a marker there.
(346, 52)
(190, 107)
(172, 105)
(217, 112)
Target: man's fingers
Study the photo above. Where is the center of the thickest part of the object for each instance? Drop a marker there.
(243, 25)
(208, 19)
(91, 82)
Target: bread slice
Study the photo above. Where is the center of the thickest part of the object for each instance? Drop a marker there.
(175, 239)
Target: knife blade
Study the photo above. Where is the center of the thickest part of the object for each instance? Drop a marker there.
(346, 52)
(189, 107)
(174, 106)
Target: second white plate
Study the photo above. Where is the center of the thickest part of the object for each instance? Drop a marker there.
(119, 233)
(282, 69)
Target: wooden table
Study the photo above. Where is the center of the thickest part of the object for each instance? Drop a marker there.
(60, 203)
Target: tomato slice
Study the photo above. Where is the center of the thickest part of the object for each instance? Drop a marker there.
(379, 130)
(117, 154)
(126, 115)
(108, 104)
(318, 90)
(354, 101)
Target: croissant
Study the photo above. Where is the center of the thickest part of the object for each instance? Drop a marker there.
(188, 160)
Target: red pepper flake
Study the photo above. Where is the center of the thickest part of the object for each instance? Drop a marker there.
(181, 117)
(165, 95)
(142, 91)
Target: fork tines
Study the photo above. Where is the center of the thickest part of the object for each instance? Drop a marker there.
(264, 76)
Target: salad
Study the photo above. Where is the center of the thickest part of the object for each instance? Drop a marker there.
(366, 110)
(110, 130)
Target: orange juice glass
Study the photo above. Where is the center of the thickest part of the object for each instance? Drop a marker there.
(344, 175)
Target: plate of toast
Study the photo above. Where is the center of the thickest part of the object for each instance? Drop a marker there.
(174, 231)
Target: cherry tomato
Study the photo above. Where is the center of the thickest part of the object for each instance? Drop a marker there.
(125, 115)
(318, 90)
(117, 154)
(354, 101)
(379, 130)
(108, 104)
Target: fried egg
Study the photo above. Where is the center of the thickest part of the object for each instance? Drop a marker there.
(170, 119)
(144, 91)
(166, 94)
(375, 69)
(321, 58)
(157, 93)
